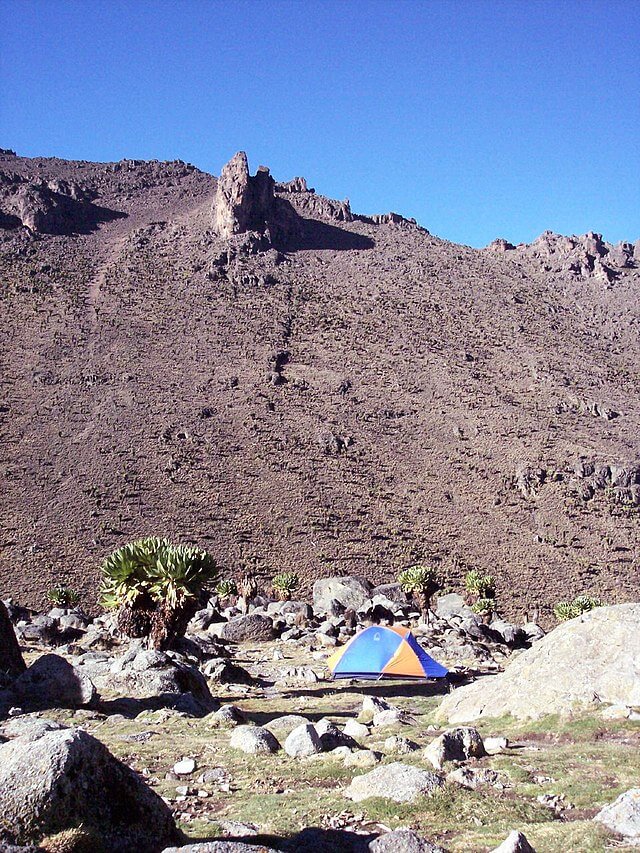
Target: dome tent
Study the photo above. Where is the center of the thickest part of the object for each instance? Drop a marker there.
(384, 651)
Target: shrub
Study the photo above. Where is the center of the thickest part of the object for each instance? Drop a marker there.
(484, 606)
(155, 586)
(225, 588)
(63, 596)
(284, 585)
(565, 610)
(479, 586)
(421, 583)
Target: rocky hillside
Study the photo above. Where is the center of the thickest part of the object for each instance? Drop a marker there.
(253, 367)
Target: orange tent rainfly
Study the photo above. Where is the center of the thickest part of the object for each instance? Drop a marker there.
(384, 651)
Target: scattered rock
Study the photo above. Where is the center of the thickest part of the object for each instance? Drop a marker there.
(403, 841)
(303, 741)
(252, 626)
(396, 745)
(356, 730)
(457, 744)
(228, 715)
(515, 842)
(254, 739)
(399, 782)
(184, 767)
(350, 592)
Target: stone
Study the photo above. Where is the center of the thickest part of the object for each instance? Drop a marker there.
(303, 741)
(151, 674)
(250, 627)
(356, 730)
(253, 740)
(52, 682)
(457, 744)
(228, 715)
(373, 705)
(495, 745)
(28, 727)
(623, 815)
(224, 671)
(452, 605)
(331, 737)
(184, 767)
(399, 782)
(281, 727)
(586, 661)
(515, 842)
(392, 592)
(66, 778)
(402, 841)
(396, 745)
(390, 717)
(350, 592)
(475, 777)
(362, 758)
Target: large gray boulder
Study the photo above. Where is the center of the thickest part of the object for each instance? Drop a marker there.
(254, 740)
(151, 674)
(457, 744)
(66, 778)
(402, 841)
(623, 815)
(252, 627)
(592, 659)
(52, 682)
(352, 593)
(399, 782)
(303, 741)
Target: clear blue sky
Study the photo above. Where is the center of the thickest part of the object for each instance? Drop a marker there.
(481, 118)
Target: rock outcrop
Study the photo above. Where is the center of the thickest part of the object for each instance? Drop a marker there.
(65, 778)
(594, 658)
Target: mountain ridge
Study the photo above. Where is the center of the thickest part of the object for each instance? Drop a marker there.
(362, 397)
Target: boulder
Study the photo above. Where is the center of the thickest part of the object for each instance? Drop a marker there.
(355, 729)
(281, 727)
(399, 782)
(515, 842)
(362, 758)
(623, 815)
(457, 744)
(253, 740)
(452, 605)
(52, 682)
(402, 841)
(352, 593)
(151, 674)
(392, 592)
(66, 778)
(251, 627)
(228, 715)
(331, 737)
(594, 658)
(396, 745)
(303, 741)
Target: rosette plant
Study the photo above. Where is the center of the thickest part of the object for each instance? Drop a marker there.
(155, 586)
(421, 583)
(285, 584)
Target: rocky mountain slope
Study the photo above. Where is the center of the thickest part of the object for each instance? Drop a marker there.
(253, 367)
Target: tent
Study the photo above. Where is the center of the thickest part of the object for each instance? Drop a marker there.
(384, 651)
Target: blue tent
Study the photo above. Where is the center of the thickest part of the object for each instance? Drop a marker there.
(384, 651)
